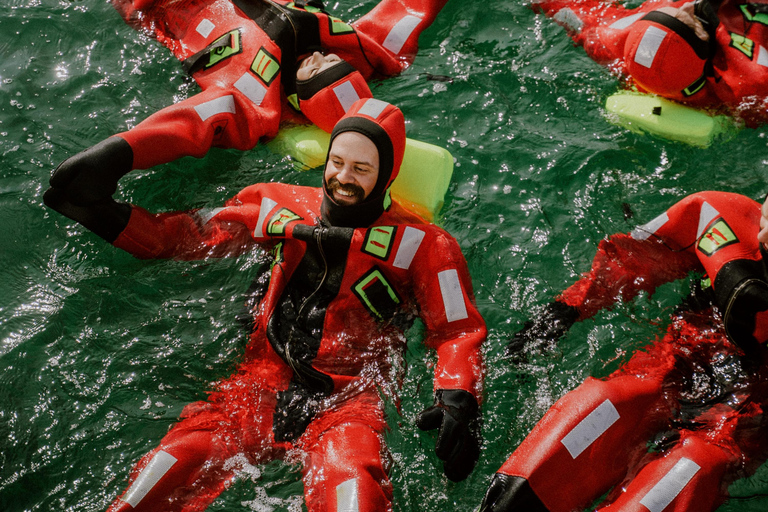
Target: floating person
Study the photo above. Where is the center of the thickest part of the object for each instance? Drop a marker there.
(708, 54)
(697, 395)
(351, 271)
(257, 62)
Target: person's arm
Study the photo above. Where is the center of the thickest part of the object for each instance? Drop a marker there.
(455, 329)
(395, 26)
(658, 252)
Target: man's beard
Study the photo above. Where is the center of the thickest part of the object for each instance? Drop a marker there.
(356, 193)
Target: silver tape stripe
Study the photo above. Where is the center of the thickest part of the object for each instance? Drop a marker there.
(649, 45)
(569, 18)
(216, 106)
(646, 230)
(400, 32)
(251, 88)
(205, 27)
(346, 94)
(373, 107)
(149, 476)
(206, 214)
(346, 496)
(453, 298)
(762, 56)
(706, 215)
(410, 243)
(590, 428)
(627, 21)
(670, 485)
(266, 206)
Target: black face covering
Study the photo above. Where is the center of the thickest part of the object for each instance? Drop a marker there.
(741, 292)
(364, 213)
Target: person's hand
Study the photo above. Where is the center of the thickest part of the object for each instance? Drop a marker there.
(91, 176)
(456, 415)
(548, 327)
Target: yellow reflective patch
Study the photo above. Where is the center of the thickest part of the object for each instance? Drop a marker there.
(744, 44)
(265, 66)
(718, 236)
(277, 223)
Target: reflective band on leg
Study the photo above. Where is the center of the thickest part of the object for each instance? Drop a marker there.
(569, 18)
(250, 86)
(205, 27)
(670, 485)
(266, 206)
(453, 298)
(649, 45)
(216, 106)
(346, 94)
(646, 230)
(627, 21)
(762, 56)
(590, 428)
(409, 244)
(346, 496)
(400, 32)
(149, 476)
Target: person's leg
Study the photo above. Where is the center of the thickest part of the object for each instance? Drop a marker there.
(345, 471)
(581, 447)
(688, 478)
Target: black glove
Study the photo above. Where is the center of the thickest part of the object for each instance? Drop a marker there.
(549, 326)
(457, 415)
(107, 218)
(92, 175)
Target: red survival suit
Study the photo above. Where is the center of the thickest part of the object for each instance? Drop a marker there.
(709, 430)
(737, 80)
(244, 54)
(327, 320)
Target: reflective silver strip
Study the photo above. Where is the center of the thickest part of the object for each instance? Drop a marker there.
(251, 88)
(206, 214)
(149, 476)
(453, 298)
(205, 27)
(706, 215)
(266, 206)
(670, 485)
(400, 32)
(216, 106)
(762, 56)
(568, 18)
(646, 230)
(346, 496)
(625, 22)
(590, 428)
(410, 243)
(373, 107)
(346, 94)
(649, 45)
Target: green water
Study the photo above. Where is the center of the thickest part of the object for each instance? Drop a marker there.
(99, 352)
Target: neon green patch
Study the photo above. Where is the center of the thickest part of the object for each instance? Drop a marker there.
(265, 66)
(277, 255)
(378, 241)
(744, 44)
(370, 289)
(276, 225)
(758, 17)
(218, 54)
(718, 236)
(293, 100)
(339, 27)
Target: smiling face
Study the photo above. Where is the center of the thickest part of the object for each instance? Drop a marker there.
(352, 168)
(316, 63)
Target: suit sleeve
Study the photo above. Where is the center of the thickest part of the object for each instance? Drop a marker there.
(659, 252)
(395, 26)
(454, 327)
